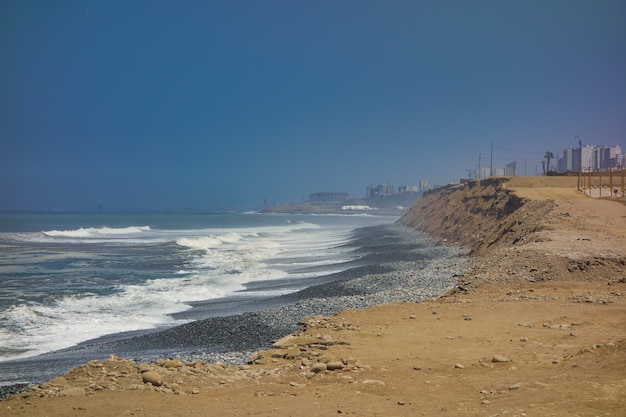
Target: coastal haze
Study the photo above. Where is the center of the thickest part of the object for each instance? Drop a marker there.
(198, 208)
(224, 105)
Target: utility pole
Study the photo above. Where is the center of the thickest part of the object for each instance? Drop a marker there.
(580, 159)
(491, 162)
(479, 171)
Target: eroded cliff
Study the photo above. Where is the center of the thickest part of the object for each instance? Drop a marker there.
(478, 215)
(559, 234)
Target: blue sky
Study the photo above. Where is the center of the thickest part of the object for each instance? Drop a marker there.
(207, 104)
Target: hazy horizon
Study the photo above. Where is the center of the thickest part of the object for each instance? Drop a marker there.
(169, 105)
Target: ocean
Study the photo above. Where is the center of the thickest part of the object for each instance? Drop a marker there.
(67, 278)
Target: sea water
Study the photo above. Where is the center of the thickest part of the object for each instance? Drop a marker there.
(68, 278)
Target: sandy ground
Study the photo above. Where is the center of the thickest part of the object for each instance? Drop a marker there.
(539, 329)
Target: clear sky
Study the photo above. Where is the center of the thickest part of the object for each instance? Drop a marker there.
(206, 104)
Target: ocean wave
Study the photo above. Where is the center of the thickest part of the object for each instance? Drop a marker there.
(139, 277)
(32, 329)
(99, 232)
(210, 241)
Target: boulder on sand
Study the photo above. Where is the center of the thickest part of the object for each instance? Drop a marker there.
(152, 377)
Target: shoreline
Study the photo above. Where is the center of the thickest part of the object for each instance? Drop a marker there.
(247, 324)
(535, 326)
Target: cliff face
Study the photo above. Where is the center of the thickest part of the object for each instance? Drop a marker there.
(479, 215)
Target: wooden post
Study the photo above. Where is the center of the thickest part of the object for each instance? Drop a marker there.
(611, 181)
(600, 177)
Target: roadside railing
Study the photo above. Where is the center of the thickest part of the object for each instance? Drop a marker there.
(607, 184)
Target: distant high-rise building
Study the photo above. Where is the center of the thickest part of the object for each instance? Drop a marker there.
(379, 190)
(569, 161)
(423, 185)
(618, 158)
(328, 196)
(403, 189)
(601, 157)
(591, 158)
(586, 158)
(511, 169)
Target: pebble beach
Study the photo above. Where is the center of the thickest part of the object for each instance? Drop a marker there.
(397, 264)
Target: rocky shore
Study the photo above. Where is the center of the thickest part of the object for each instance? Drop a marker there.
(532, 323)
(395, 264)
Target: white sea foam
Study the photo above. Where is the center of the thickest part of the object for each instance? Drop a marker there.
(207, 242)
(99, 232)
(210, 263)
(72, 320)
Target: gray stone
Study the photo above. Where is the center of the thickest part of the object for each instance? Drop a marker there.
(334, 365)
(500, 359)
(173, 363)
(153, 378)
(319, 367)
(144, 368)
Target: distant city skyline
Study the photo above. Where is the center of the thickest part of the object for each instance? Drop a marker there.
(595, 157)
